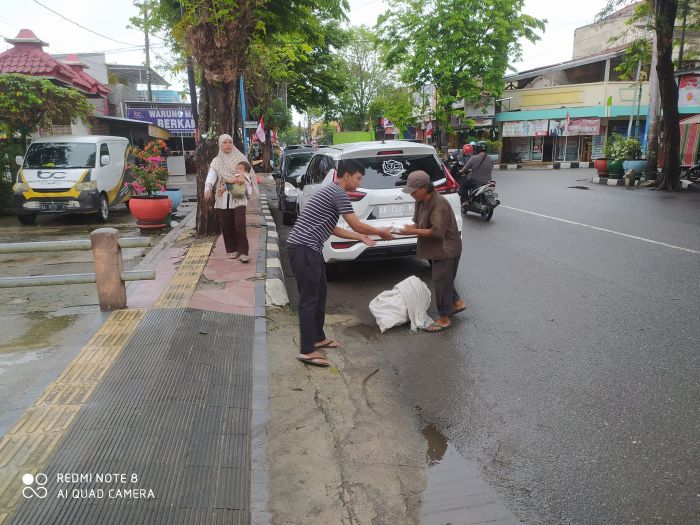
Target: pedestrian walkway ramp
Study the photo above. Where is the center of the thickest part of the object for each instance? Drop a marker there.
(164, 432)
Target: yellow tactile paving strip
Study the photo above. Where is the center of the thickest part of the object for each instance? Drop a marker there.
(184, 282)
(28, 445)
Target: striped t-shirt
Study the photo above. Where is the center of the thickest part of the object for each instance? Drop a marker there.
(320, 217)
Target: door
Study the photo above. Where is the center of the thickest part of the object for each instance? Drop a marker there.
(548, 149)
(312, 181)
(106, 180)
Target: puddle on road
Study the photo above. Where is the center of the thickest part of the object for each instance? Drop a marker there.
(455, 493)
(40, 333)
(7, 361)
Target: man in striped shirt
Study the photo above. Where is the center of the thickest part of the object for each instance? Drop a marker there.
(305, 246)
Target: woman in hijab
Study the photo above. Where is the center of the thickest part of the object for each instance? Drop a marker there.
(230, 180)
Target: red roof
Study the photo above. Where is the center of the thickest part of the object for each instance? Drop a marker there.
(28, 58)
(78, 67)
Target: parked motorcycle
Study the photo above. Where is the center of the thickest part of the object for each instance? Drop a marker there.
(482, 200)
(693, 173)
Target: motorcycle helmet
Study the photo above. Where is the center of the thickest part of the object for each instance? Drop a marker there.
(480, 146)
(468, 149)
(472, 143)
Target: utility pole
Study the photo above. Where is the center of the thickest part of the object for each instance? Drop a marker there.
(148, 53)
(651, 145)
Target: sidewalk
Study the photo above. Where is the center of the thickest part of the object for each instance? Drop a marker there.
(161, 416)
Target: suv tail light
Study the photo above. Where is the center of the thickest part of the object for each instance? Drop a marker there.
(343, 245)
(450, 185)
(355, 196)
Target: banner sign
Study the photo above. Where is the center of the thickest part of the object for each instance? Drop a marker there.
(178, 121)
(577, 126)
(525, 128)
(689, 91)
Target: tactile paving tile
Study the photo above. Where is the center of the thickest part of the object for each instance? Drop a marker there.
(174, 409)
(184, 282)
(28, 445)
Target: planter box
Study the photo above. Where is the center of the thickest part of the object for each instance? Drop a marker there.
(616, 169)
(637, 166)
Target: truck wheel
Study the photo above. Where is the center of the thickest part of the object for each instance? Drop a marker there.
(27, 220)
(103, 211)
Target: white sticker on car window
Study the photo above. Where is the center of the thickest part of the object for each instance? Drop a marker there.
(393, 168)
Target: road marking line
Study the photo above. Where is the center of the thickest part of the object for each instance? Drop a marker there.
(604, 230)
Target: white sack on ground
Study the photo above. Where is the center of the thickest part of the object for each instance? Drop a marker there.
(417, 297)
(409, 300)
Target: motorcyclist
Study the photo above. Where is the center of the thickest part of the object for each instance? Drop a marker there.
(477, 169)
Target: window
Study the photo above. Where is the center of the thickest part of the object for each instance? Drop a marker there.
(391, 171)
(310, 171)
(296, 165)
(104, 150)
(60, 155)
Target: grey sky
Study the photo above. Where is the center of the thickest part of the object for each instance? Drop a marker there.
(110, 18)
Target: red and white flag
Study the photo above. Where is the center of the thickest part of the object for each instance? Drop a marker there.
(260, 132)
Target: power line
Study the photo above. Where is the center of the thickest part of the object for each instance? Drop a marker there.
(82, 26)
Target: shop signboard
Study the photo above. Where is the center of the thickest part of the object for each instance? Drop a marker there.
(689, 91)
(177, 120)
(525, 128)
(597, 144)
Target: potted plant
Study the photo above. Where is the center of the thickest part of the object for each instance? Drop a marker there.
(632, 152)
(614, 151)
(149, 173)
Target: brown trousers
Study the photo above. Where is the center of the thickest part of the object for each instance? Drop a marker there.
(233, 229)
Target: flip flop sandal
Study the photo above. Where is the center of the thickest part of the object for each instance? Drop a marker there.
(329, 344)
(436, 328)
(314, 361)
(459, 310)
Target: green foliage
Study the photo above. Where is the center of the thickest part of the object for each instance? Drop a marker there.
(462, 47)
(27, 103)
(619, 147)
(363, 77)
(395, 104)
(276, 115)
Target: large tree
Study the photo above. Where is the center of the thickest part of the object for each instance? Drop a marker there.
(218, 35)
(364, 74)
(662, 17)
(462, 47)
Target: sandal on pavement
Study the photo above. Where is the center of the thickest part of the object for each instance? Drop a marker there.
(328, 344)
(244, 258)
(233, 255)
(459, 310)
(316, 361)
(436, 328)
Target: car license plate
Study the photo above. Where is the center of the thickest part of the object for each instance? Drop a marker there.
(386, 211)
(52, 206)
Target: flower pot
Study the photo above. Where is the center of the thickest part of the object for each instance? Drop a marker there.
(150, 212)
(615, 168)
(637, 166)
(494, 157)
(601, 165)
(175, 195)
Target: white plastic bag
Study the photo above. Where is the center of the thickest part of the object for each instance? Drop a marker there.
(409, 300)
(389, 309)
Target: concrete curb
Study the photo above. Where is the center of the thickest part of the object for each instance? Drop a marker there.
(275, 289)
(611, 182)
(554, 166)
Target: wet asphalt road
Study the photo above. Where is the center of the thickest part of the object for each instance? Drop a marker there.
(573, 380)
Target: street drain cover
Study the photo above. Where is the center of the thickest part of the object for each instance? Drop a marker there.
(580, 187)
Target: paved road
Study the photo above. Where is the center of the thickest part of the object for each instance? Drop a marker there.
(573, 381)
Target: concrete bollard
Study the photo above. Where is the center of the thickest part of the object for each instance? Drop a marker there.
(107, 258)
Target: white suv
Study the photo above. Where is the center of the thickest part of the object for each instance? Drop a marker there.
(379, 201)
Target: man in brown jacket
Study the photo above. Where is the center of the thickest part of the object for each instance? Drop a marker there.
(439, 241)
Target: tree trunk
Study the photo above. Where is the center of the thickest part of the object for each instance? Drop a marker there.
(666, 11)
(216, 118)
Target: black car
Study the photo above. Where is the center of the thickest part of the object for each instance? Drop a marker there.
(292, 166)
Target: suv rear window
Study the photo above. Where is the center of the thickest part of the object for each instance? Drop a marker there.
(391, 171)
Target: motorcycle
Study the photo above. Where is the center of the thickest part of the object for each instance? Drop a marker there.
(455, 162)
(692, 173)
(482, 200)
